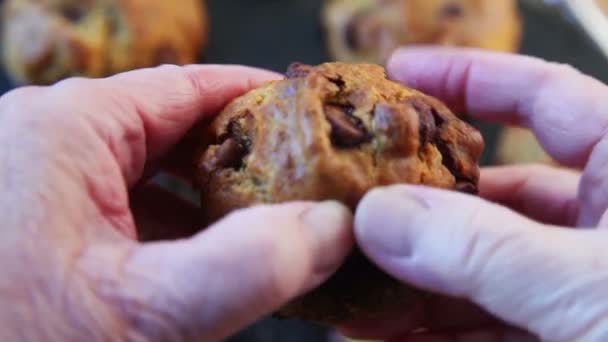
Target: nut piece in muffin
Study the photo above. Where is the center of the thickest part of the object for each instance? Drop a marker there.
(370, 30)
(333, 132)
(47, 40)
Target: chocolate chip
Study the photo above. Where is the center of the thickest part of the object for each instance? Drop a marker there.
(452, 10)
(346, 130)
(448, 160)
(430, 122)
(235, 131)
(466, 187)
(230, 154)
(297, 70)
(428, 126)
(439, 119)
(339, 82)
(73, 13)
(446, 157)
(234, 146)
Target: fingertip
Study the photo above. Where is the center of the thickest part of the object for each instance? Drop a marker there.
(442, 72)
(405, 62)
(327, 219)
(314, 238)
(330, 226)
(383, 219)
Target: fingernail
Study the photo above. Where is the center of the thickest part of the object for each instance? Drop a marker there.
(384, 222)
(330, 224)
(325, 217)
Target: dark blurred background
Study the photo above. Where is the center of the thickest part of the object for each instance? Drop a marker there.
(273, 33)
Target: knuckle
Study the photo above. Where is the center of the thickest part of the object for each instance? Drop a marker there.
(123, 298)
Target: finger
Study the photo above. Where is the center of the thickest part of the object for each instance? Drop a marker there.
(147, 111)
(504, 334)
(162, 215)
(518, 270)
(558, 103)
(437, 313)
(544, 193)
(242, 268)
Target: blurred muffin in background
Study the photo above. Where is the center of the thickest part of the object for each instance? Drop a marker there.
(519, 146)
(369, 30)
(47, 40)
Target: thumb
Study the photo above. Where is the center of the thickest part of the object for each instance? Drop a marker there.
(547, 280)
(242, 268)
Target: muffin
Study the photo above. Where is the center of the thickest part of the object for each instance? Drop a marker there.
(333, 132)
(47, 40)
(369, 30)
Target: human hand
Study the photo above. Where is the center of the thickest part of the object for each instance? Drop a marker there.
(530, 255)
(73, 167)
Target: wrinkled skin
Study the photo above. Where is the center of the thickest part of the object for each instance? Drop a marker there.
(526, 261)
(74, 161)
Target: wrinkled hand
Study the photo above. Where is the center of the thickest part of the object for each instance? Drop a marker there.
(532, 255)
(72, 158)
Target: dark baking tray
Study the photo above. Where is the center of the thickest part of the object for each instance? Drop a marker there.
(273, 33)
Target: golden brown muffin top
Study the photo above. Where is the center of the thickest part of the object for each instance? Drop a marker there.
(333, 132)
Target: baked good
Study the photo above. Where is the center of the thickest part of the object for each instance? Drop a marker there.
(334, 131)
(369, 30)
(48, 40)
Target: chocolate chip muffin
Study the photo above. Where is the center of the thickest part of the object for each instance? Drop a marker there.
(333, 132)
(369, 30)
(47, 40)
